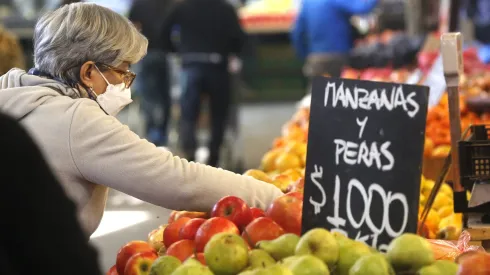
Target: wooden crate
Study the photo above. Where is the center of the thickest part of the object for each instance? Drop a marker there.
(480, 236)
(432, 167)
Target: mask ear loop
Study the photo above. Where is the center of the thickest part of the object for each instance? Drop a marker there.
(93, 92)
(101, 74)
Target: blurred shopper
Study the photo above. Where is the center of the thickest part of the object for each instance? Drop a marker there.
(323, 35)
(154, 82)
(39, 230)
(209, 32)
(81, 80)
(11, 53)
(479, 13)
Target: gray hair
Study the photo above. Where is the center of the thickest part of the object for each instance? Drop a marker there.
(70, 36)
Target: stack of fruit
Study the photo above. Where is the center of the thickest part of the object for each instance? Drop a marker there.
(318, 251)
(441, 222)
(284, 164)
(378, 74)
(187, 233)
(437, 133)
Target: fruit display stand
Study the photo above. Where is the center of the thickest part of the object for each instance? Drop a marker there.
(236, 239)
(271, 71)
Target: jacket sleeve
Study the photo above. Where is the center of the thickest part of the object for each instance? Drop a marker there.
(235, 31)
(356, 6)
(108, 153)
(298, 33)
(37, 215)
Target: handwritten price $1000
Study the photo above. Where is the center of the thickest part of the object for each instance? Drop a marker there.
(388, 198)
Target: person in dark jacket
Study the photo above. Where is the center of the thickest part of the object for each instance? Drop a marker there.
(209, 32)
(479, 12)
(322, 34)
(154, 82)
(39, 230)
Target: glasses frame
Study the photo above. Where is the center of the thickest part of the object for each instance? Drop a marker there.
(128, 76)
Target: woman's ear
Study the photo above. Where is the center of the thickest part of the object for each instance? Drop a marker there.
(87, 74)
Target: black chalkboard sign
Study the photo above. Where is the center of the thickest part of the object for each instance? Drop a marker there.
(364, 161)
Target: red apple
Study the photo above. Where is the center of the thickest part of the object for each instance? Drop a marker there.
(182, 249)
(128, 250)
(189, 230)
(474, 263)
(155, 237)
(369, 74)
(233, 209)
(286, 211)
(298, 186)
(175, 215)
(140, 263)
(199, 257)
(112, 271)
(262, 229)
(257, 212)
(172, 231)
(426, 59)
(212, 227)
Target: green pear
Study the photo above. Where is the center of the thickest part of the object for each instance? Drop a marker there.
(258, 258)
(273, 270)
(248, 272)
(226, 253)
(164, 265)
(320, 243)
(372, 264)
(430, 270)
(409, 252)
(287, 261)
(447, 267)
(440, 267)
(281, 247)
(191, 261)
(349, 253)
(309, 265)
(192, 269)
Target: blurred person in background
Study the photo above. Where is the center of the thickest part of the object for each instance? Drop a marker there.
(323, 35)
(69, 101)
(11, 53)
(154, 82)
(478, 12)
(39, 229)
(209, 33)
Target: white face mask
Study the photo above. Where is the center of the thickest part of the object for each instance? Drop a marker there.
(115, 97)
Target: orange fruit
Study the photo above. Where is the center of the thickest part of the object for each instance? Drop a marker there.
(285, 161)
(428, 147)
(441, 151)
(257, 174)
(296, 147)
(268, 162)
(294, 174)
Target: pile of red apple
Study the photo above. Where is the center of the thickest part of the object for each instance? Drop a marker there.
(377, 74)
(187, 233)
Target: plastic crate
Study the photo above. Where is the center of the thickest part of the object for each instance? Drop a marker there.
(474, 157)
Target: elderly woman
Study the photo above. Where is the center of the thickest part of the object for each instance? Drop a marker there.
(68, 101)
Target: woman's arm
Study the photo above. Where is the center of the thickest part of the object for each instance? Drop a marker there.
(39, 229)
(106, 152)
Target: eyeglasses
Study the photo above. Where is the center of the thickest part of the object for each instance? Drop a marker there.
(128, 76)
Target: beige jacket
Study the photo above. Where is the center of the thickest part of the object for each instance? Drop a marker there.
(91, 152)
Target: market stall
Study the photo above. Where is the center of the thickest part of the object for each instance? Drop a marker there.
(237, 239)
